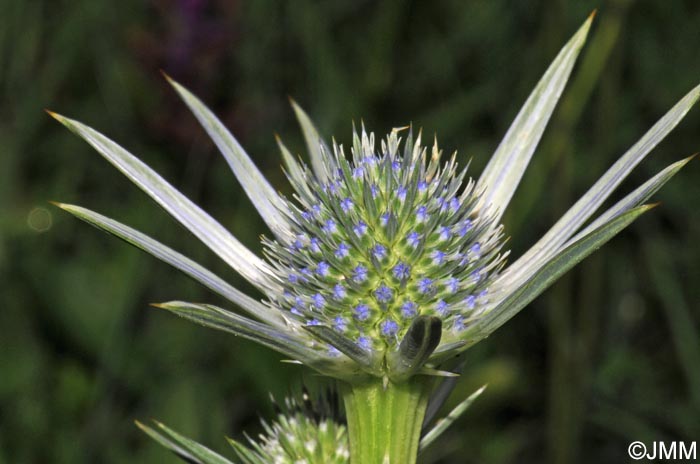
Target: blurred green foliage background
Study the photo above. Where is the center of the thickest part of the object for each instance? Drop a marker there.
(610, 355)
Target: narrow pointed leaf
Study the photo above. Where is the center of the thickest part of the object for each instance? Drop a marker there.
(547, 274)
(596, 195)
(634, 199)
(217, 318)
(318, 150)
(295, 171)
(180, 451)
(443, 391)
(203, 226)
(266, 200)
(183, 447)
(244, 453)
(448, 420)
(179, 261)
(436, 372)
(421, 339)
(505, 169)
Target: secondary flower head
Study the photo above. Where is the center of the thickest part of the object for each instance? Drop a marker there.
(304, 431)
(386, 260)
(298, 435)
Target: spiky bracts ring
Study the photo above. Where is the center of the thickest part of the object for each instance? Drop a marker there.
(391, 235)
(385, 264)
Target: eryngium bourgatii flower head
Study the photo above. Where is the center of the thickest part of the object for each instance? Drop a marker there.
(386, 261)
(391, 237)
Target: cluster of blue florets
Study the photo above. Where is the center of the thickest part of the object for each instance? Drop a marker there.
(385, 238)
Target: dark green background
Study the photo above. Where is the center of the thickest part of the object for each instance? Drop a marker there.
(607, 356)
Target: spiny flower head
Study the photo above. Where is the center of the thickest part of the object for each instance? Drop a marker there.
(298, 435)
(299, 438)
(386, 261)
(390, 236)
(304, 430)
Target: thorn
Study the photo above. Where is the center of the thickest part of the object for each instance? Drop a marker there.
(593, 14)
(58, 204)
(56, 116)
(166, 75)
(437, 372)
(158, 305)
(686, 160)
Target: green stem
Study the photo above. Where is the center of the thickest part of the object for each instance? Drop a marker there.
(384, 424)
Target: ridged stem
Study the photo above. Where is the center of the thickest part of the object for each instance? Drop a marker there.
(384, 424)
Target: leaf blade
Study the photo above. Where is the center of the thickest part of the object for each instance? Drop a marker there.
(635, 198)
(584, 208)
(185, 448)
(502, 174)
(214, 317)
(203, 226)
(318, 150)
(295, 171)
(444, 423)
(547, 274)
(177, 260)
(268, 203)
